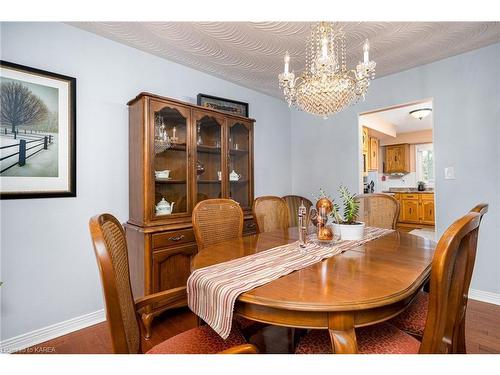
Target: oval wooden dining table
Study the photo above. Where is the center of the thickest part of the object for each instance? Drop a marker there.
(362, 286)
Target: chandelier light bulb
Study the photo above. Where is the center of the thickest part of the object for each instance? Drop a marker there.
(366, 51)
(287, 62)
(324, 48)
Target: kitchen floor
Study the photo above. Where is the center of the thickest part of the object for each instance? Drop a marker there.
(428, 233)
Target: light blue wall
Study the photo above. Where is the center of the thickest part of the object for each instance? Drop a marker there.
(47, 262)
(465, 89)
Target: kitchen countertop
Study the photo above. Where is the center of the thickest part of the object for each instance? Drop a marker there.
(409, 191)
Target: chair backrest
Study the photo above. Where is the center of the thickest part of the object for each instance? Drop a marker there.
(378, 210)
(270, 213)
(293, 203)
(110, 248)
(217, 220)
(451, 273)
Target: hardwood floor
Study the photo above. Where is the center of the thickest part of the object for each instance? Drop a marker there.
(482, 334)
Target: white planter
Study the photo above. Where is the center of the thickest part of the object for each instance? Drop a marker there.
(350, 232)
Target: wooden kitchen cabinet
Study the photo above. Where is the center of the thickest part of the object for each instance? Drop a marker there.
(397, 159)
(427, 209)
(365, 140)
(410, 209)
(373, 154)
(416, 209)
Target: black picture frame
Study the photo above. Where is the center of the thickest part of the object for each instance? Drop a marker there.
(233, 107)
(70, 190)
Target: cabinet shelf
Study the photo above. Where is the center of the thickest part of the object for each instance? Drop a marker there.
(200, 148)
(208, 149)
(238, 152)
(171, 181)
(208, 181)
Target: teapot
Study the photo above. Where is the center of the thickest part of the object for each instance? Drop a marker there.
(233, 176)
(164, 207)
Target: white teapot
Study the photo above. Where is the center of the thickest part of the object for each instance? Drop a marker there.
(164, 207)
(233, 176)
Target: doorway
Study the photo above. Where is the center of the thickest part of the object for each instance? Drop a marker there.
(397, 158)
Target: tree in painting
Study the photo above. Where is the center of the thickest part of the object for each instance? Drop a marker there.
(19, 106)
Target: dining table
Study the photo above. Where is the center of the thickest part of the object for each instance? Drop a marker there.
(362, 286)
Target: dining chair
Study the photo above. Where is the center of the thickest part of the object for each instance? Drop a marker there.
(123, 313)
(293, 203)
(270, 213)
(378, 210)
(451, 273)
(412, 320)
(217, 220)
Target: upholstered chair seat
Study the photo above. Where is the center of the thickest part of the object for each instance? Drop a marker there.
(412, 320)
(199, 340)
(381, 338)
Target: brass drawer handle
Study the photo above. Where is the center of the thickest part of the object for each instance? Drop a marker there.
(176, 238)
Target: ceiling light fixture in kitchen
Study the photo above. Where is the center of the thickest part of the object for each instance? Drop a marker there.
(420, 113)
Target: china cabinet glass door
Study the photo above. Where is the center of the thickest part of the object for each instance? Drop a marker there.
(208, 166)
(170, 160)
(239, 169)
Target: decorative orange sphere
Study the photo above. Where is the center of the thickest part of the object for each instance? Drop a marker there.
(326, 204)
(325, 234)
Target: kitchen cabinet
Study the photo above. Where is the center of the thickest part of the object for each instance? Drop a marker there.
(397, 159)
(365, 140)
(427, 209)
(410, 211)
(365, 164)
(373, 154)
(416, 209)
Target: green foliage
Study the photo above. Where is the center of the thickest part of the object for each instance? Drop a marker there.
(351, 205)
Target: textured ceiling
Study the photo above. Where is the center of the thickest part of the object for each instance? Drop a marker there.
(251, 53)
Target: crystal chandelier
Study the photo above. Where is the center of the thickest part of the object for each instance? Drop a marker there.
(326, 86)
(161, 140)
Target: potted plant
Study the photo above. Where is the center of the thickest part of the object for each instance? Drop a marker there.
(347, 226)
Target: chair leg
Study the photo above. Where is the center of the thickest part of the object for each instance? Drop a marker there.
(147, 321)
(461, 347)
(296, 334)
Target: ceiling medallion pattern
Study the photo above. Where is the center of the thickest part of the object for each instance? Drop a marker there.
(251, 53)
(326, 86)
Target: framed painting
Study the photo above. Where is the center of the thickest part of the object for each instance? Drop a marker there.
(37, 133)
(225, 105)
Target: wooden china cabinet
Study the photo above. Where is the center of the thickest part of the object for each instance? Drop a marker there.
(203, 154)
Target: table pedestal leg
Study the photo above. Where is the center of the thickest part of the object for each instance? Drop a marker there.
(342, 334)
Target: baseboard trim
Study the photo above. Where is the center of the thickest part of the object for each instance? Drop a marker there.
(482, 296)
(38, 336)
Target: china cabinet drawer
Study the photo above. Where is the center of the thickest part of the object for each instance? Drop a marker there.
(174, 238)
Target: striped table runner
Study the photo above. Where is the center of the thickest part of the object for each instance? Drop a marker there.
(212, 291)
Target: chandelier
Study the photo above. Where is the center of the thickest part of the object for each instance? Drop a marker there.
(326, 86)
(162, 141)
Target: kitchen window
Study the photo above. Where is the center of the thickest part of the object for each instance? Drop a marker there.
(425, 163)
